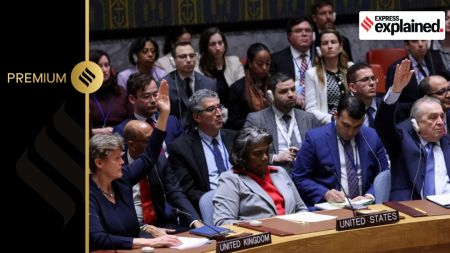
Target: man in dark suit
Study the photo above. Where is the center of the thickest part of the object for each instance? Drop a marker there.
(298, 57)
(343, 150)
(324, 16)
(143, 95)
(438, 87)
(423, 64)
(287, 138)
(362, 83)
(184, 81)
(199, 157)
(418, 148)
(163, 185)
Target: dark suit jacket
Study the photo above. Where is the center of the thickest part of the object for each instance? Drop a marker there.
(266, 119)
(320, 150)
(448, 121)
(187, 159)
(411, 92)
(407, 154)
(173, 129)
(237, 105)
(164, 187)
(179, 97)
(281, 61)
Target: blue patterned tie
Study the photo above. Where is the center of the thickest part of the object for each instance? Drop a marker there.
(218, 157)
(428, 187)
(370, 116)
(352, 177)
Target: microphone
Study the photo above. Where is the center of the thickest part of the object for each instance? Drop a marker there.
(327, 168)
(217, 234)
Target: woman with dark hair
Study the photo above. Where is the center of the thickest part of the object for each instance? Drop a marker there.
(252, 189)
(249, 94)
(174, 36)
(214, 63)
(143, 53)
(325, 84)
(109, 105)
(113, 223)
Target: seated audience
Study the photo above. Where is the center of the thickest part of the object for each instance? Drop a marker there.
(215, 64)
(109, 105)
(252, 189)
(113, 223)
(419, 148)
(325, 84)
(143, 54)
(286, 124)
(249, 94)
(345, 151)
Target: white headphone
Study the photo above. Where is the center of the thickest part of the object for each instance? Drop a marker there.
(334, 16)
(318, 51)
(135, 58)
(415, 125)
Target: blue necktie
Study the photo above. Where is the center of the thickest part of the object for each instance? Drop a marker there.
(428, 187)
(352, 178)
(370, 112)
(218, 157)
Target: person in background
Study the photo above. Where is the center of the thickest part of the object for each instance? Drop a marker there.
(325, 84)
(287, 124)
(214, 62)
(143, 53)
(109, 105)
(113, 223)
(175, 35)
(343, 151)
(324, 16)
(298, 57)
(252, 189)
(442, 47)
(249, 94)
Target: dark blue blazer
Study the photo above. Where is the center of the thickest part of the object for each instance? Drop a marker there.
(113, 226)
(164, 188)
(173, 129)
(407, 155)
(320, 150)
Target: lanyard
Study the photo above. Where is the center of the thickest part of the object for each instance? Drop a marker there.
(225, 153)
(286, 135)
(99, 107)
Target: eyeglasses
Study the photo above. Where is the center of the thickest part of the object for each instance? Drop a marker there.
(441, 92)
(185, 56)
(306, 30)
(212, 108)
(367, 78)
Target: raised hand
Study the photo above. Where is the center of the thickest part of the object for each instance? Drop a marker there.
(402, 75)
(163, 97)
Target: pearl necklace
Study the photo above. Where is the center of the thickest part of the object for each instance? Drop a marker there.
(108, 194)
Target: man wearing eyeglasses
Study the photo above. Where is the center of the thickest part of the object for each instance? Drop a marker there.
(362, 83)
(438, 87)
(201, 156)
(184, 81)
(298, 57)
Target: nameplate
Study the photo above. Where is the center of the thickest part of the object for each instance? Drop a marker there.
(369, 220)
(244, 242)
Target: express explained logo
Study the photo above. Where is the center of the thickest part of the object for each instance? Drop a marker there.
(395, 24)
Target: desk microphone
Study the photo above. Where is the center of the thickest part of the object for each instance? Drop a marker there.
(217, 235)
(327, 168)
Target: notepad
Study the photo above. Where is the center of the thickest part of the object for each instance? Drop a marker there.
(306, 217)
(340, 205)
(442, 199)
(210, 231)
(190, 242)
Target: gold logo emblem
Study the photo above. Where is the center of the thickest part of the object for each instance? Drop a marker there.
(87, 77)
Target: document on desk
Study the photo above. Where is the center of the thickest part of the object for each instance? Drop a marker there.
(306, 217)
(340, 205)
(190, 242)
(442, 199)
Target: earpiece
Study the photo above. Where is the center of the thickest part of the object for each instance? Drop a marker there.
(135, 58)
(334, 16)
(319, 52)
(428, 44)
(270, 96)
(415, 125)
(313, 37)
(172, 61)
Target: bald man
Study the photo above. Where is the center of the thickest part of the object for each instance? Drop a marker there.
(438, 87)
(164, 186)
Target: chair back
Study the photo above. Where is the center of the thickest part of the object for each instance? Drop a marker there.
(207, 208)
(385, 56)
(382, 186)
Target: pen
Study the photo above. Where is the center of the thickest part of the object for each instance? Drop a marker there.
(420, 210)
